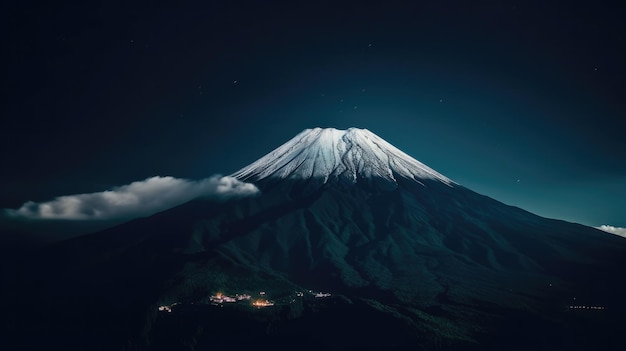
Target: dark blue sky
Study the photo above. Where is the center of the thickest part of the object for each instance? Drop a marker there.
(523, 101)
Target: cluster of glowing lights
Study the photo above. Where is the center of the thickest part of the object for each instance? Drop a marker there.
(321, 294)
(221, 298)
(583, 307)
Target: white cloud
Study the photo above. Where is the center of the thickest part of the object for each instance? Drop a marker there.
(137, 199)
(613, 230)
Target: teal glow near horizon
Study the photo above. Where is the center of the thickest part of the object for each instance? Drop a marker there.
(511, 146)
(502, 99)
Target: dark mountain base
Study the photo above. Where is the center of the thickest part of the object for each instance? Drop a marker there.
(358, 326)
(340, 324)
(422, 267)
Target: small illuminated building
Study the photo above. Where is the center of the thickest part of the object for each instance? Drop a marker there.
(262, 303)
(242, 297)
(165, 308)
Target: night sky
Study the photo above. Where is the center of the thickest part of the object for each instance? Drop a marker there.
(523, 101)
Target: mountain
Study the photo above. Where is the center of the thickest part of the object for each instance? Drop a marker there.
(411, 260)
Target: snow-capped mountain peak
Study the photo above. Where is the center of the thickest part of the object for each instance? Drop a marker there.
(329, 153)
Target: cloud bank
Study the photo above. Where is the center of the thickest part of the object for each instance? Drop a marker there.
(137, 199)
(613, 230)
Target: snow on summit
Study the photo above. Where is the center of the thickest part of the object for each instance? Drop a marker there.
(333, 153)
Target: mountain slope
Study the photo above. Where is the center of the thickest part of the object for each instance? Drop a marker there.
(344, 212)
